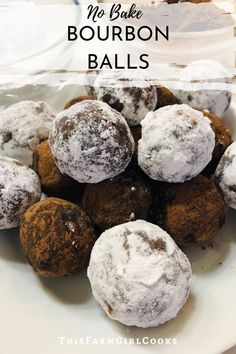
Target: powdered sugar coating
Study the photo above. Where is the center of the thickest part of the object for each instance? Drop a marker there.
(91, 142)
(225, 175)
(22, 127)
(205, 85)
(19, 189)
(177, 143)
(138, 274)
(129, 93)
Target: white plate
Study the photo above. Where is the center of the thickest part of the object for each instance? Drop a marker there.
(35, 312)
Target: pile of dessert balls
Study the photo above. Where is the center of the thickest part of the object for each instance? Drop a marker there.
(130, 173)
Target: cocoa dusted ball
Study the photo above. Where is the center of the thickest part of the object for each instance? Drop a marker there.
(223, 138)
(165, 97)
(19, 189)
(57, 237)
(176, 145)
(23, 126)
(78, 99)
(115, 201)
(129, 92)
(206, 84)
(193, 211)
(91, 142)
(53, 182)
(138, 274)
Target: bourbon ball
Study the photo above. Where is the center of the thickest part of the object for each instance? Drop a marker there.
(193, 211)
(139, 275)
(78, 99)
(53, 182)
(23, 126)
(225, 176)
(115, 201)
(223, 138)
(165, 97)
(205, 85)
(176, 145)
(91, 142)
(57, 237)
(19, 189)
(131, 94)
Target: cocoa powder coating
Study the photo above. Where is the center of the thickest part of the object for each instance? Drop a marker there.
(165, 97)
(223, 139)
(57, 237)
(53, 182)
(192, 211)
(115, 201)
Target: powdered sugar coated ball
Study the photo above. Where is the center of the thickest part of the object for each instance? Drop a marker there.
(177, 143)
(22, 127)
(19, 189)
(130, 93)
(138, 274)
(225, 175)
(91, 142)
(205, 85)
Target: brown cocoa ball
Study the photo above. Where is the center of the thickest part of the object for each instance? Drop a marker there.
(223, 139)
(192, 211)
(57, 237)
(78, 99)
(53, 182)
(165, 97)
(115, 201)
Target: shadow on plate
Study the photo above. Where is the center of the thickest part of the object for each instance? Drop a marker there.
(173, 327)
(74, 289)
(10, 247)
